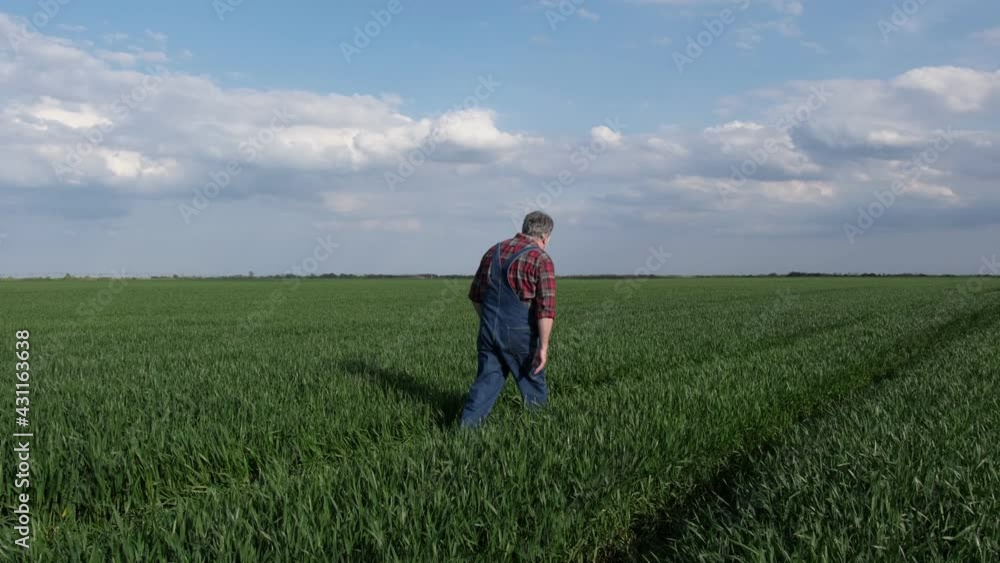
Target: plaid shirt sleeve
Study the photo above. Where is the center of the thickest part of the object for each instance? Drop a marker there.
(544, 301)
(481, 280)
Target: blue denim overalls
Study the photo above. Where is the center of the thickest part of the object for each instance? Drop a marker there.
(508, 339)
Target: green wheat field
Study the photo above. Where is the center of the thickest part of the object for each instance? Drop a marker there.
(719, 419)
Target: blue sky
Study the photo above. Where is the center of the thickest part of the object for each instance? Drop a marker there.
(495, 101)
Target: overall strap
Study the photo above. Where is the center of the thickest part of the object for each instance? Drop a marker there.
(510, 262)
(518, 254)
(495, 267)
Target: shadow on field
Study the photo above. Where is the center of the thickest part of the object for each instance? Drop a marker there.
(446, 404)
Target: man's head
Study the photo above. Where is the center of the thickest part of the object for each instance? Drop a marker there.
(538, 226)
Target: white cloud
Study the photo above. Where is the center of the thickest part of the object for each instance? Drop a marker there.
(745, 140)
(131, 165)
(891, 138)
(606, 134)
(80, 117)
(798, 191)
(666, 146)
(475, 129)
(735, 126)
(335, 149)
(191, 120)
(122, 58)
(933, 191)
(961, 89)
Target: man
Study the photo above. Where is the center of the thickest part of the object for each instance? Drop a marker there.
(514, 293)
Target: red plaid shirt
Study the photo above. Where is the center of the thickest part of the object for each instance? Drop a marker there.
(533, 276)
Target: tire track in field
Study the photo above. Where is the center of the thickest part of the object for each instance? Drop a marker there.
(761, 344)
(667, 526)
(770, 343)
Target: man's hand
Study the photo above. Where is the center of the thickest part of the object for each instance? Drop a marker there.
(541, 356)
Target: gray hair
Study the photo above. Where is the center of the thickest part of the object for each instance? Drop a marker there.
(537, 224)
